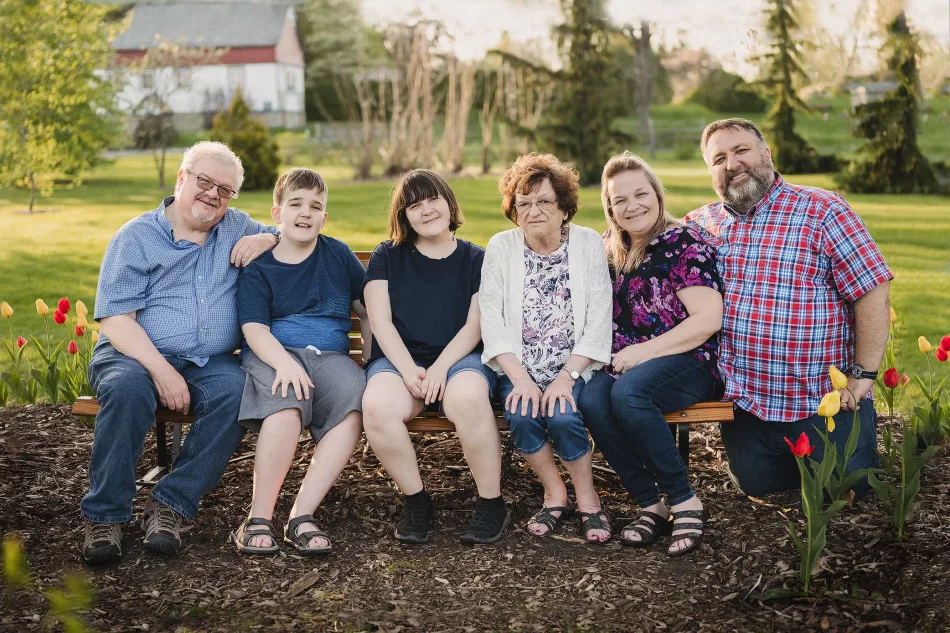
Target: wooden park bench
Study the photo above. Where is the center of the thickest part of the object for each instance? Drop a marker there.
(430, 421)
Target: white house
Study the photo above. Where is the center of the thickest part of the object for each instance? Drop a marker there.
(241, 44)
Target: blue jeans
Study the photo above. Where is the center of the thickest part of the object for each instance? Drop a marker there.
(565, 430)
(762, 462)
(127, 400)
(625, 417)
(469, 362)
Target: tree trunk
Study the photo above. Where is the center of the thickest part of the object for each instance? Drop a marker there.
(32, 191)
(645, 87)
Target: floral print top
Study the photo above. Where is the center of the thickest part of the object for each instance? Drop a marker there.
(547, 325)
(645, 301)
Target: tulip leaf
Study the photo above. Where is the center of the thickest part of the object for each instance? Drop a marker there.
(821, 519)
(849, 482)
(887, 493)
(792, 532)
(923, 387)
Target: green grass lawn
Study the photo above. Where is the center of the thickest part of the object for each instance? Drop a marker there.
(57, 252)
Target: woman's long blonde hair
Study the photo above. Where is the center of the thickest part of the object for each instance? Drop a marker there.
(621, 255)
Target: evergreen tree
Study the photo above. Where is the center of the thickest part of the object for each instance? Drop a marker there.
(56, 112)
(890, 161)
(249, 139)
(790, 152)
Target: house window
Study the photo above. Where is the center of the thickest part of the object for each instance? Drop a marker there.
(291, 81)
(183, 78)
(148, 79)
(236, 79)
(267, 106)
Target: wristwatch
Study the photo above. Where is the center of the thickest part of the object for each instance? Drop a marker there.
(573, 373)
(858, 372)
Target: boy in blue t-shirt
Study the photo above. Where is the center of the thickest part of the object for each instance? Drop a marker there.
(294, 306)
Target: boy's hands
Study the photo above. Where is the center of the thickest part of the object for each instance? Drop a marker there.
(291, 373)
(414, 382)
(434, 383)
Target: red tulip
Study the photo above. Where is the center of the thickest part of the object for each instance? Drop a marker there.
(892, 378)
(941, 354)
(801, 447)
(72, 348)
(905, 379)
(59, 317)
(20, 341)
(63, 305)
(80, 331)
(945, 343)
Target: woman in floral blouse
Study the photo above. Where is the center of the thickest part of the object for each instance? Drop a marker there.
(667, 311)
(545, 320)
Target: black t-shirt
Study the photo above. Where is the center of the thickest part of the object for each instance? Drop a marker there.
(430, 298)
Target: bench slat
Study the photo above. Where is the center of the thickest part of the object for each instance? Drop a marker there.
(431, 421)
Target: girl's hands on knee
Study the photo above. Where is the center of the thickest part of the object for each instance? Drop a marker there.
(434, 383)
(414, 380)
(526, 392)
(291, 373)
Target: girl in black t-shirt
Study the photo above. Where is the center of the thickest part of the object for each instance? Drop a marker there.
(421, 293)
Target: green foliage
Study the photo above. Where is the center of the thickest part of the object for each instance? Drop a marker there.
(791, 153)
(58, 114)
(890, 161)
(250, 140)
(725, 93)
(154, 130)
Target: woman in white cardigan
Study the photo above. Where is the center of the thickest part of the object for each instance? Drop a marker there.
(545, 301)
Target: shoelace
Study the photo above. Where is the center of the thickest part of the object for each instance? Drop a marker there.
(484, 519)
(166, 519)
(101, 532)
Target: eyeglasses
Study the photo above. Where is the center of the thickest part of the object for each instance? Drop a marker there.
(206, 184)
(544, 205)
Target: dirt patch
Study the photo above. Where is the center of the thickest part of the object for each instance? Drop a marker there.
(370, 582)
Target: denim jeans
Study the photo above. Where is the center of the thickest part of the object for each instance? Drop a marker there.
(763, 463)
(625, 417)
(127, 400)
(565, 430)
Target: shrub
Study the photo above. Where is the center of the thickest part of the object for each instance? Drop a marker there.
(727, 93)
(250, 140)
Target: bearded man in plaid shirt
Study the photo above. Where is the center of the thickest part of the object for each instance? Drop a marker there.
(805, 287)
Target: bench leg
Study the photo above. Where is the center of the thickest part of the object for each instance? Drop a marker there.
(162, 443)
(176, 444)
(683, 430)
(507, 452)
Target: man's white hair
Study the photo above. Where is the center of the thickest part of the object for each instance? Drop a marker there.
(215, 151)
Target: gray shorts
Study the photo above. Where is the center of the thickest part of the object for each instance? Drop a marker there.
(338, 390)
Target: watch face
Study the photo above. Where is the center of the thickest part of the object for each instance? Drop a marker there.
(856, 371)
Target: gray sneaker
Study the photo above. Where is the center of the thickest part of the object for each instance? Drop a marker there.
(103, 543)
(162, 527)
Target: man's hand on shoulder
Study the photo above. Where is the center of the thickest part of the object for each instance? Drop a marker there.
(250, 247)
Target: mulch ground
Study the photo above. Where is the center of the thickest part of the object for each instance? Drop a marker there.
(867, 581)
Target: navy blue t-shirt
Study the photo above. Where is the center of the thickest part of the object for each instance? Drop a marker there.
(306, 303)
(430, 298)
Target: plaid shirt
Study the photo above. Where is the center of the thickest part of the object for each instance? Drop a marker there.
(183, 294)
(791, 269)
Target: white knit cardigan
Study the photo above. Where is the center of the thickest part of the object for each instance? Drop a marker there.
(501, 294)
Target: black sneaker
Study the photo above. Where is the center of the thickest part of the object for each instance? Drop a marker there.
(103, 543)
(417, 511)
(489, 523)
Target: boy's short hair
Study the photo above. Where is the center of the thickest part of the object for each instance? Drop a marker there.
(415, 186)
(298, 178)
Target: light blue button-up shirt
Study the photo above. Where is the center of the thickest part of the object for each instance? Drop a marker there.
(183, 294)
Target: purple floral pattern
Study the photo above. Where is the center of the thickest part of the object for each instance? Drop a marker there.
(547, 325)
(645, 301)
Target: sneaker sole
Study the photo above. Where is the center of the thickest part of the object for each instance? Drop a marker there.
(471, 540)
(411, 540)
(102, 555)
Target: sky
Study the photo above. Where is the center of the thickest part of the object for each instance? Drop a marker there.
(726, 28)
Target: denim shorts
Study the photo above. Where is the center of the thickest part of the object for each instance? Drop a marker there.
(471, 362)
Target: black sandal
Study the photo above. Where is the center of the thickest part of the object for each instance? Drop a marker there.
(548, 520)
(696, 535)
(594, 522)
(648, 531)
(246, 531)
(300, 540)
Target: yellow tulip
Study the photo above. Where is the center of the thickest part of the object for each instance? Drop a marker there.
(81, 308)
(893, 315)
(81, 320)
(95, 336)
(924, 345)
(838, 380)
(829, 407)
(41, 308)
(5, 310)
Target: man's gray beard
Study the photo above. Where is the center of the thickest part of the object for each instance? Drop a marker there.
(741, 198)
(197, 215)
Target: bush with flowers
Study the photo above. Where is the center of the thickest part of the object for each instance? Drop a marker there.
(60, 373)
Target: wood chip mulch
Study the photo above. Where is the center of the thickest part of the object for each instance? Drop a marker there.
(868, 582)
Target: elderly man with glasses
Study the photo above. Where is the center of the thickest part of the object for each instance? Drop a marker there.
(166, 307)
